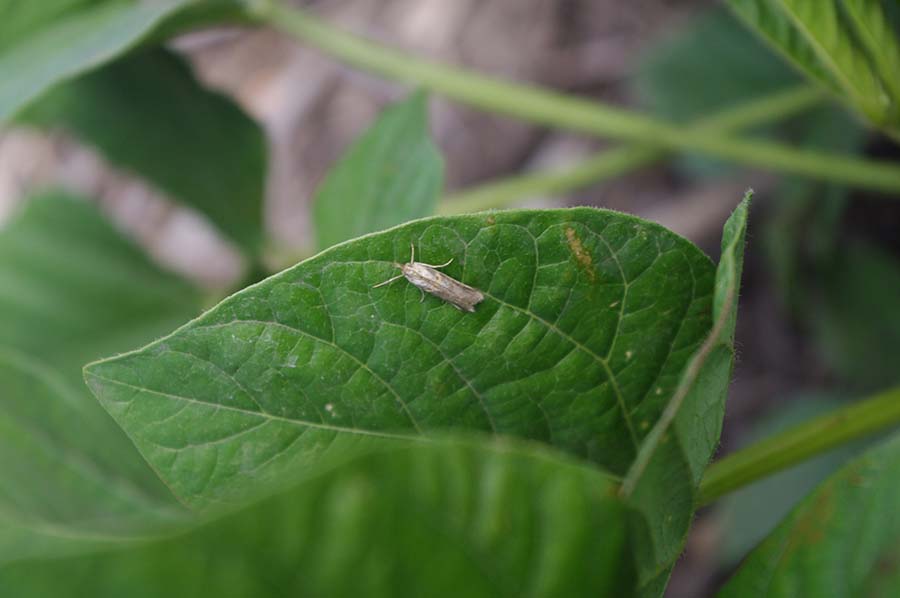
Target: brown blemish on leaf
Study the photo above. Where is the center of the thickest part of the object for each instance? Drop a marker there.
(491, 220)
(809, 529)
(585, 262)
(888, 564)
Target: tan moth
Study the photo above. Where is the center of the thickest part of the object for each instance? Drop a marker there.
(427, 279)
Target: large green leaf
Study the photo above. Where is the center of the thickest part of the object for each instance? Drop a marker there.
(148, 114)
(448, 518)
(73, 289)
(748, 515)
(662, 483)
(589, 318)
(71, 481)
(391, 174)
(47, 42)
(842, 541)
(814, 35)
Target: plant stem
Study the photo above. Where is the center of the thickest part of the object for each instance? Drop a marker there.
(565, 111)
(615, 162)
(502, 192)
(800, 443)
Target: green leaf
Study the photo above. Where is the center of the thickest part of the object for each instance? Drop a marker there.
(748, 515)
(45, 43)
(879, 38)
(677, 80)
(447, 518)
(71, 481)
(804, 225)
(814, 36)
(393, 173)
(148, 114)
(73, 289)
(855, 320)
(842, 540)
(662, 483)
(588, 320)
(767, 20)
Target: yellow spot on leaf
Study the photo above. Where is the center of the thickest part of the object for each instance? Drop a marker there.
(585, 262)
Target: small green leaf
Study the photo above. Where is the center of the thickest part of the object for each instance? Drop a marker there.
(589, 318)
(662, 482)
(393, 173)
(73, 289)
(842, 541)
(814, 36)
(148, 114)
(71, 481)
(47, 42)
(443, 518)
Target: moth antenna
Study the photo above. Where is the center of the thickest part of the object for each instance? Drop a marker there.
(388, 281)
(446, 264)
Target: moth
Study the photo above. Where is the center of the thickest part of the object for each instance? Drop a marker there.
(426, 278)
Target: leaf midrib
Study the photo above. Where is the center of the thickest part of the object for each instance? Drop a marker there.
(260, 414)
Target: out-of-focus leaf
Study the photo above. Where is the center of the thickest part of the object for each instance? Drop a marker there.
(856, 319)
(148, 114)
(393, 173)
(749, 514)
(662, 483)
(677, 80)
(443, 518)
(47, 42)
(802, 233)
(880, 39)
(588, 319)
(73, 289)
(816, 38)
(72, 482)
(843, 540)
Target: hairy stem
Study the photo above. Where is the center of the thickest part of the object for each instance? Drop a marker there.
(799, 443)
(565, 111)
(619, 161)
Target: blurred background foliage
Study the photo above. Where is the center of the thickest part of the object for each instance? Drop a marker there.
(224, 138)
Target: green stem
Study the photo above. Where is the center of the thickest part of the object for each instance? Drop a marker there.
(564, 111)
(502, 192)
(616, 162)
(800, 443)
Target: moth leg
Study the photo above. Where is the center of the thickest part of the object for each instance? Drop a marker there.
(412, 252)
(388, 281)
(422, 298)
(441, 266)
